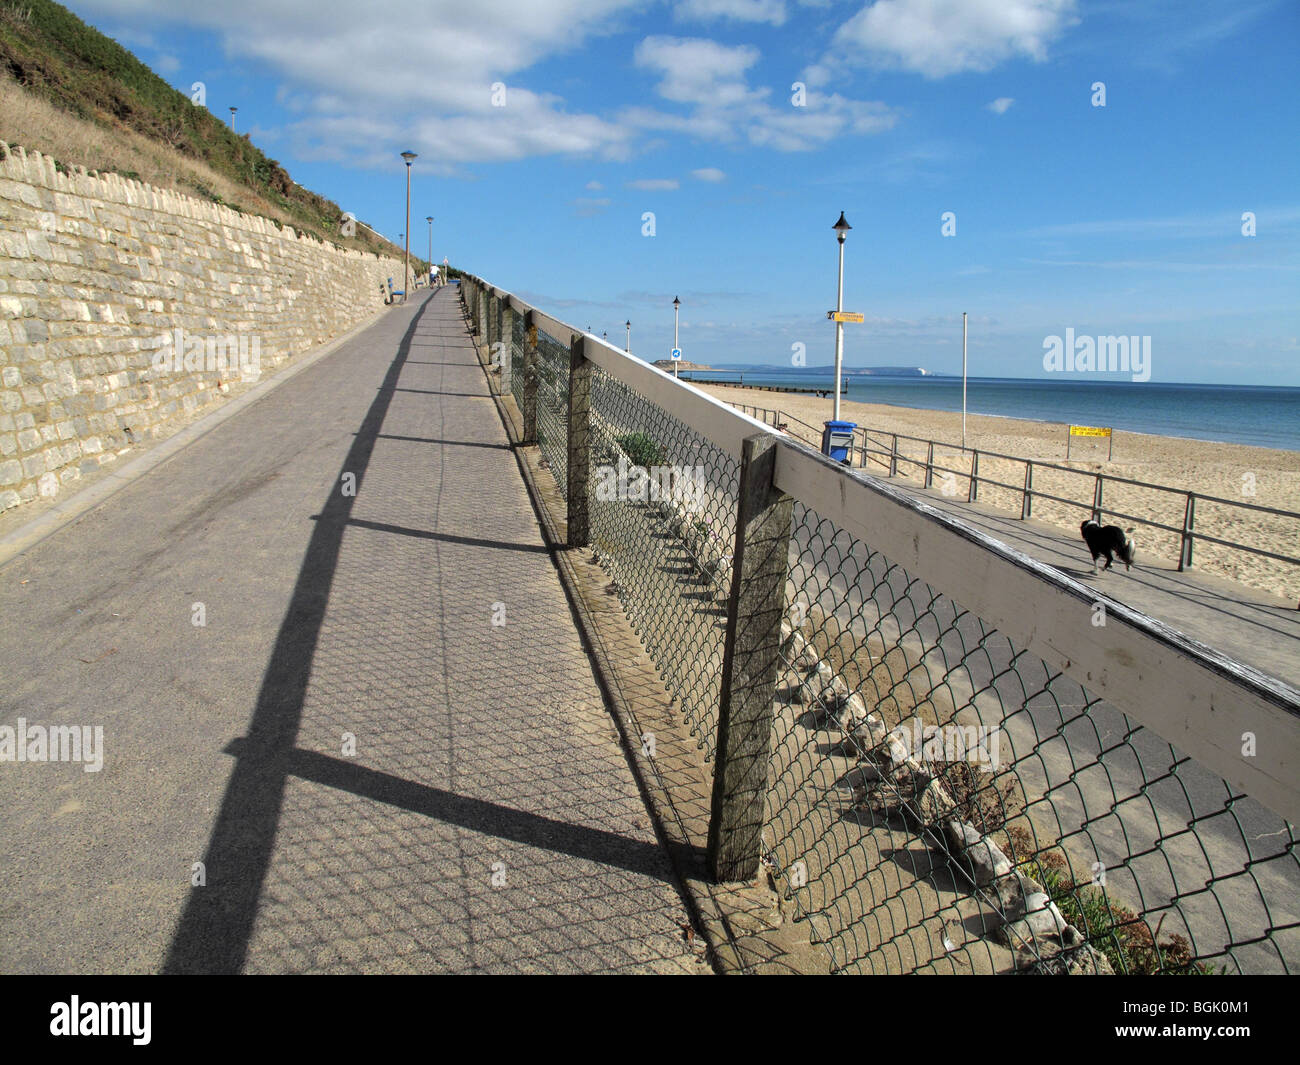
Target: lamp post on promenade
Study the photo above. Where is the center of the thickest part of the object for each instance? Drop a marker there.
(841, 228)
(406, 260)
(429, 219)
(628, 323)
(676, 307)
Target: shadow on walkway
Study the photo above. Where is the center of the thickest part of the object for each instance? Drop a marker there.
(214, 930)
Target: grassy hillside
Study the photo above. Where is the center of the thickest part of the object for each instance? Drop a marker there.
(72, 93)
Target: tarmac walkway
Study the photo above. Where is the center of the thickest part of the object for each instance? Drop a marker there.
(488, 819)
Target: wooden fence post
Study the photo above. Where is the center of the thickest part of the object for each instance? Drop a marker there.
(929, 465)
(483, 298)
(507, 346)
(579, 458)
(973, 491)
(1096, 500)
(893, 457)
(530, 381)
(750, 664)
(1027, 499)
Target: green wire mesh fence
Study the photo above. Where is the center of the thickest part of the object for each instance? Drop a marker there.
(944, 801)
(940, 798)
(663, 505)
(553, 405)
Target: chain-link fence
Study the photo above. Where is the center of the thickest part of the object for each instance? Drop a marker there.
(941, 796)
(663, 506)
(1018, 804)
(552, 363)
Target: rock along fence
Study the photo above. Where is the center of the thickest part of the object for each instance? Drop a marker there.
(126, 309)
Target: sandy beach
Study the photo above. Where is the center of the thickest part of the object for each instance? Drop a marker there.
(1228, 471)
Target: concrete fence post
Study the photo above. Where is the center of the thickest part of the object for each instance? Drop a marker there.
(750, 665)
(929, 465)
(974, 491)
(1027, 497)
(579, 456)
(530, 380)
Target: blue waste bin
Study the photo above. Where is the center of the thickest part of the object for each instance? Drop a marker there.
(837, 441)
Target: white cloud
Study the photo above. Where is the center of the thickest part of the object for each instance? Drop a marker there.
(708, 173)
(593, 186)
(654, 184)
(941, 37)
(585, 207)
(359, 91)
(1180, 226)
(699, 71)
(436, 97)
(771, 11)
(711, 78)
(1001, 105)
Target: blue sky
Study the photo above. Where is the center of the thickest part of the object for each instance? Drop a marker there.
(1122, 219)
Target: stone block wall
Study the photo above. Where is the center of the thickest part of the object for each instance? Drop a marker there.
(102, 277)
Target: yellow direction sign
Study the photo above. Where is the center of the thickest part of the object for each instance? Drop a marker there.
(845, 316)
(1089, 430)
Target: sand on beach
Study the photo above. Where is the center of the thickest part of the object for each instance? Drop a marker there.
(1228, 471)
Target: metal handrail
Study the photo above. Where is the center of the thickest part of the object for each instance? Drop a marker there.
(1186, 532)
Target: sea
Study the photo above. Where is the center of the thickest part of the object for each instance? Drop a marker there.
(1262, 415)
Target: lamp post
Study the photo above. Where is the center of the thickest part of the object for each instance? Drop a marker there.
(841, 228)
(628, 323)
(676, 307)
(232, 118)
(406, 260)
(429, 219)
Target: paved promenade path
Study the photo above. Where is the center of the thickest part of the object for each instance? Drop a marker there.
(488, 819)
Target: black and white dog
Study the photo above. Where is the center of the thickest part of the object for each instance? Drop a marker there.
(1108, 540)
